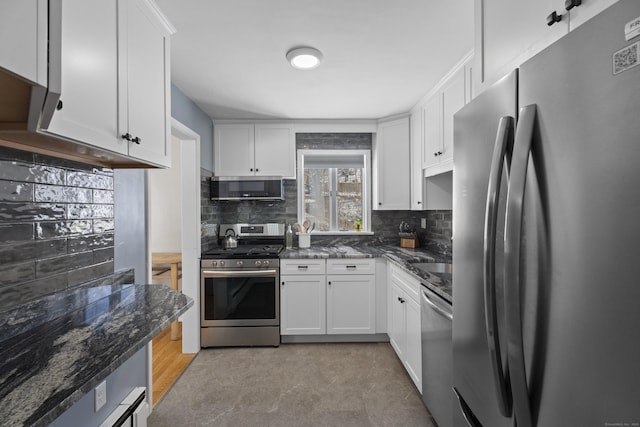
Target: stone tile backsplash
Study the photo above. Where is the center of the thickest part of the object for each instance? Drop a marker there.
(436, 237)
(56, 225)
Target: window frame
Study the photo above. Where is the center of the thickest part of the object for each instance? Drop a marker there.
(366, 188)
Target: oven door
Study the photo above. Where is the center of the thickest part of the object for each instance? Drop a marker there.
(240, 298)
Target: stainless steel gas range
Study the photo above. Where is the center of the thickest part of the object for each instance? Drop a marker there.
(240, 291)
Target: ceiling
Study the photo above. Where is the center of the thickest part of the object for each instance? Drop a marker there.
(380, 56)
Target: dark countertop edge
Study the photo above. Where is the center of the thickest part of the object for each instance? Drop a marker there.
(65, 404)
(399, 256)
(91, 381)
(430, 281)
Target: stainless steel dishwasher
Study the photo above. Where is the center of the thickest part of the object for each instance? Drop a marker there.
(436, 317)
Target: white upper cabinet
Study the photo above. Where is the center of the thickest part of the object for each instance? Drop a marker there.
(445, 100)
(23, 39)
(391, 166)
(114, 78)
(509, 32)
(260, 149)
(88, 107)
(432, 119)
(417, 194)
(146, 115)
(275, 150)
(233, 149)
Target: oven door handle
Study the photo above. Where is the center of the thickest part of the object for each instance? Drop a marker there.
(242, 273)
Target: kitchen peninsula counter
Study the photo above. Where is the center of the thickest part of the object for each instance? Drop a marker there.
(440, 283)
(56, 349)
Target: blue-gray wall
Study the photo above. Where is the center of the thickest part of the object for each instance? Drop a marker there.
(189, 114)
(130, 230)
(120, 383)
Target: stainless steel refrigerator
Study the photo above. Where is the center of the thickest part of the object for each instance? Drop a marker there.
(546, 217)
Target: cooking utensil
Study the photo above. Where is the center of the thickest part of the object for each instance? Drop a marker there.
(306, 225)
(230, 239)
(313, 226)
(299, 227)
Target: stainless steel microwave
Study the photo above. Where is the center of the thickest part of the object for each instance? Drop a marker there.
(247, 188)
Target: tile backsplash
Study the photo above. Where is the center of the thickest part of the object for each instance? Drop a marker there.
(56, 225)
(436, 237)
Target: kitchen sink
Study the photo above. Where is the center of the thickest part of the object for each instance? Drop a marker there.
(434, 267)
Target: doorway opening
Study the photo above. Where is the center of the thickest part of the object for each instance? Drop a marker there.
(174, 249)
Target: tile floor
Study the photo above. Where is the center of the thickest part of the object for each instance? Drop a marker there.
(360, 384)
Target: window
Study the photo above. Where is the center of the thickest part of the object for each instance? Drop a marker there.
(333, 189)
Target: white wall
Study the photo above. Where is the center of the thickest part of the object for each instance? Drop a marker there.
(165, 204)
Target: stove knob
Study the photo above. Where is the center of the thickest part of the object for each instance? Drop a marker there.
(265, 262)
(214, 263)
(221, 263)
(239, 263)
(258, 263)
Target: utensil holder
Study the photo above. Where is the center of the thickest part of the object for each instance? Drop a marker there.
(304, 240)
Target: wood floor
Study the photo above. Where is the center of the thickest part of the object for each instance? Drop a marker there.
(168, 362)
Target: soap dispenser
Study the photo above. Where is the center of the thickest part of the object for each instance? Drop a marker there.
(289, 237)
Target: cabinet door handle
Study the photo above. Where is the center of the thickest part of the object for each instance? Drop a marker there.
(351, 267)
(303, 267)
(59, 105)
(419, 203)
(137, 140)
(329, 283)
(401, 300)
(570, 4)
(251, 170)
(553, 18)
(283, 283)
(257, 170)
(127, 136)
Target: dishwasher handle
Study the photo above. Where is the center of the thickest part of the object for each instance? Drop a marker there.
(426, 298)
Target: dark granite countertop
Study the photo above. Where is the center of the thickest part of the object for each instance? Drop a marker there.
(440, 283)
(56, 349)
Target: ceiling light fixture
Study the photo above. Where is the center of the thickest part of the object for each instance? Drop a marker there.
(304, 58)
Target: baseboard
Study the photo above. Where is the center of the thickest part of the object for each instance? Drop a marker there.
(299, 339)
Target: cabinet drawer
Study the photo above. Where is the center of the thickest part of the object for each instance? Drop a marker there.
(302, 266)
(405, 281)
(351, 266)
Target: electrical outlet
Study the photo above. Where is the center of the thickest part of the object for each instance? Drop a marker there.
(423, 222)
(101, 395)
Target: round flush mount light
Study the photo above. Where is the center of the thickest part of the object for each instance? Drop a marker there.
(304, 58)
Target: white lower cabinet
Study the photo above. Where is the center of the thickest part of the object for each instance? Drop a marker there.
(315, 303)
(404, 322)
(302, 305)
(351, 304)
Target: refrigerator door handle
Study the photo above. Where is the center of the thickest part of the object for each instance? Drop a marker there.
(499, 162)
(471, 419)
(512, 242)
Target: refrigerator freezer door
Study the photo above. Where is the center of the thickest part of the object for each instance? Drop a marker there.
(475, 130)
(579, 257)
